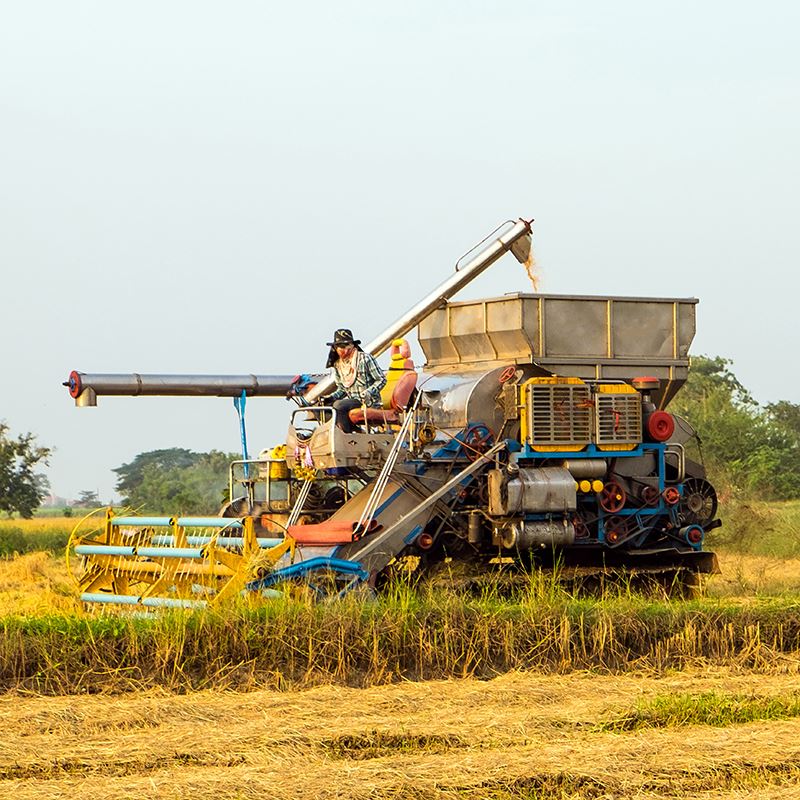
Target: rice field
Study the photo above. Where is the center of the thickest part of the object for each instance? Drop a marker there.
(419, 695)
(49, 534)
(519, 735)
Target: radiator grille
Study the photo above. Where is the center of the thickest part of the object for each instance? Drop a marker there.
(559, 415)
(618, 419)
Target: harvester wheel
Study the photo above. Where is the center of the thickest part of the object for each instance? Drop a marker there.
(698, 506)
(613, 497)
(650, 495)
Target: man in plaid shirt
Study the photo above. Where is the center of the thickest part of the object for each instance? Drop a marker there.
(358, 377)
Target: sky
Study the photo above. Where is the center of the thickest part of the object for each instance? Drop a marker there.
(208, 187)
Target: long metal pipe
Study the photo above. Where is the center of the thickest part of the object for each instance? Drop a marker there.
(458, 280)
(134, 384)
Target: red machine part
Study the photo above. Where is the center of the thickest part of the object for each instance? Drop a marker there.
(693, 534)
(646, 383)
(612, 498)
(660, 426)
(507, 374)
(74, 383)
(477, 440)
(671, 495)
(425, 541)
(650, 495)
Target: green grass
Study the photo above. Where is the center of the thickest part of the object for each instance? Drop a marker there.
(718, 709)
(759, 528)
(16, 540)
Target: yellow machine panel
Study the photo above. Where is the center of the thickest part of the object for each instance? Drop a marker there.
(617, 417)
(557, 414)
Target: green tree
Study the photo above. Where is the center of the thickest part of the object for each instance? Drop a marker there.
(752, 449)
(21, 489)
(175, 481)
(130, 476)
(87, 498)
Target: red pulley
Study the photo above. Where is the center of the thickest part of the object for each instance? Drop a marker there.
(650, 495)
(694, 534)
(612, 498)
(660, 426)
(616, 529)
(425, 541)
(671, 495)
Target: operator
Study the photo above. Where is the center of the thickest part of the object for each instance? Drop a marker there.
(358, 377)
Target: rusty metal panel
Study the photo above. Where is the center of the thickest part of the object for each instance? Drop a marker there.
(468, 332)
(642, 329)
(580, 336)
(558, 415)
(618, 418)
(513, 327)
(686, 328)
(575, 327)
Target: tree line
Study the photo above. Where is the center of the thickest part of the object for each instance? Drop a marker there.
(750, 449)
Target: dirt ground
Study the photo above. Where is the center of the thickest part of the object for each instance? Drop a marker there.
(518, 736)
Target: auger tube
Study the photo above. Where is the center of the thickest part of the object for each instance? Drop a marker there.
(84, 387)
(520, 232)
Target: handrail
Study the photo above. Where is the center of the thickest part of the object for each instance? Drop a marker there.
(383, 477)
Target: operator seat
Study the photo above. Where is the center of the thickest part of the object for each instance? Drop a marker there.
(401, 380)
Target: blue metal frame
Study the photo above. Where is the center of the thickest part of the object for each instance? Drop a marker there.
(239, 404)
(644, 518)
(305, 568)
(591, 451)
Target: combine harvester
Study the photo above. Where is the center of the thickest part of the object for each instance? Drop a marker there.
(535, 433)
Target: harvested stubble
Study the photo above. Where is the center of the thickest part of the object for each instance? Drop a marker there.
(405, 636)
(518, 736)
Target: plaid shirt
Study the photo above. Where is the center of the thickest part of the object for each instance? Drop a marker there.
(368, 384)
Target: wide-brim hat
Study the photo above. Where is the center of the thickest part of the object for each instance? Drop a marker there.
(343, 336)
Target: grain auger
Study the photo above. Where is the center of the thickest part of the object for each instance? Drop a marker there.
(536, 432)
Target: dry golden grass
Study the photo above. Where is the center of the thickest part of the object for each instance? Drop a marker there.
(40, 524)
(36, 583)
(518, 736)
(746, 575)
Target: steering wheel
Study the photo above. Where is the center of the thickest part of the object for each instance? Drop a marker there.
(507, 374)
(477, 440)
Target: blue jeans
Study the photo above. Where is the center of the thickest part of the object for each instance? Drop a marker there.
(343, 408)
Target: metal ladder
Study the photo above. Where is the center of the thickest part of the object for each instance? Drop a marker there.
(383, 476)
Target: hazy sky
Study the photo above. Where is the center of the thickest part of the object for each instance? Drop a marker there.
(214, 187)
